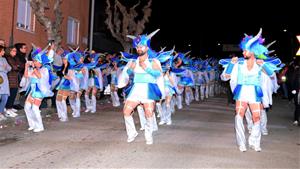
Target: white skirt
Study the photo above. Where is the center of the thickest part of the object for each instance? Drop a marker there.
(139, 93)
(248, 94)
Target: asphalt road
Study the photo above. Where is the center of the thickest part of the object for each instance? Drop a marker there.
(201, 136)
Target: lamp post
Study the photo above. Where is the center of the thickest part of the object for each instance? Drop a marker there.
(91, 25)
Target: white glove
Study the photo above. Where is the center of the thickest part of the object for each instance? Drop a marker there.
(294, 92)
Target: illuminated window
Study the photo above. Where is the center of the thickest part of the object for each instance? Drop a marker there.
(73, 31)
(25, 18)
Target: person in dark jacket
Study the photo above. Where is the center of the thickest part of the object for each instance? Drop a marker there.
(296, 91)
(21, 55)
(16, 65)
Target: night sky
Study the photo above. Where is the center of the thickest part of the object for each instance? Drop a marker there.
(205, 24)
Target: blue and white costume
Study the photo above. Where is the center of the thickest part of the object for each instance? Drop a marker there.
(70, 82)
(115, 72)
(40, 87)
(246, 87)
(95, 83)
(145, 88)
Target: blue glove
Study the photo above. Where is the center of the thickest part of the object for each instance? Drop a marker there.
(229, 68)
(268, 70)
(152, 72)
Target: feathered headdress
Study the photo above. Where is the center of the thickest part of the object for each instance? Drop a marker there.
(142, 40)
(255, 45)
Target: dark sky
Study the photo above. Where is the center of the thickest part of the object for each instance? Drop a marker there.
(204, 24)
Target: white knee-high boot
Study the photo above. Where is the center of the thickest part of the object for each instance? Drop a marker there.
(179, 101)
(163, 114)
(155, 127)
(73, 106)
(38, 119)
(149, 130)
(29, 115)
(78, 103)
(58, 108)
(159, 109)
(248, 115)
(130, 128)
(172, 105)
(64, 111)
(113, 100)
(263, 122)
(142, 117)
(255, 137)
(206, 91)
(94, 103)
(202, 89)
(187, 97)
(168, 115)
(87, 103)
(211, 89)
(240, 133)
(117, 100)
(197, 93)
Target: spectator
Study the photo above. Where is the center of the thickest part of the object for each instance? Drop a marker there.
(2, 42)
(295, 91)
(282, 82)
(21, 55)
(4, 84)
(15, 64)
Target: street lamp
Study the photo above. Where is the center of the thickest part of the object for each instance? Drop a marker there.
(298, 53)
(284, 30)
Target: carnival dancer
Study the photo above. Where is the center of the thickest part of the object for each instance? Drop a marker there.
(95, 82)
(169, 92)
(245, 76)
(145, 89)
(114, 82)
(76, 67)
(68, 85)
(39, 73)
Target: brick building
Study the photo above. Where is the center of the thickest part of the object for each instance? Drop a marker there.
(19, 24)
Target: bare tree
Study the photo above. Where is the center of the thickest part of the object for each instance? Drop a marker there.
(128, 23)
(53, 28)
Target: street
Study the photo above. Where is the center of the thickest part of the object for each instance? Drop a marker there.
(201, 136)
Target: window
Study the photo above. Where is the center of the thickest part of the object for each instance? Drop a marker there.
(25, 18)
(73, 31)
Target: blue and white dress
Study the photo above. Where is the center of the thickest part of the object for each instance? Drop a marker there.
(145, 87)
(41, 87)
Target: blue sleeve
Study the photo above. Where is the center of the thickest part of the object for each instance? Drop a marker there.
(152, 72)
(268, 70)
(229, 68)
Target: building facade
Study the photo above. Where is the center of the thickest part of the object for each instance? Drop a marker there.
(19, 24)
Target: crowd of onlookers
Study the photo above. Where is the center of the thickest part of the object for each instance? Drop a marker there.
(12, 60)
